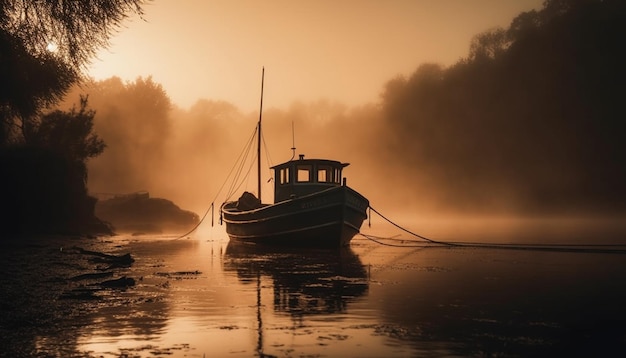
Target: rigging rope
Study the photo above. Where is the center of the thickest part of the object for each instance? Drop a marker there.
(241, 160)
(239, 163)
(267, 152)
(243, 179)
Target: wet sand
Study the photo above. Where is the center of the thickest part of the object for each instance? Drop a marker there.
(204, 296)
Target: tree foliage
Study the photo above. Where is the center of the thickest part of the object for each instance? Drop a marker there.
(29, 83)
(44, 46)
(69, 134)
(77, 29)
(531, 117)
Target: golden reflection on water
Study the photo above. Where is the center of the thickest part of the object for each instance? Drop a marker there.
(223, 299)
(205, 296)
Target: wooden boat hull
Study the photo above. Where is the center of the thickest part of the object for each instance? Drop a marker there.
(329, 218)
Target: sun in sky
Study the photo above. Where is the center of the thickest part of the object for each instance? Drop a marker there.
(52, 47)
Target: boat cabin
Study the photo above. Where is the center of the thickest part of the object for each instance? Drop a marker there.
(305, 176)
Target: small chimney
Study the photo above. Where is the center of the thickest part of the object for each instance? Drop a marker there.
(301, 156)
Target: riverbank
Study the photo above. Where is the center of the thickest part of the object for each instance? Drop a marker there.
(48, 282)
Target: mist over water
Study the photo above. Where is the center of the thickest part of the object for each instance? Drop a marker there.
(186, 156)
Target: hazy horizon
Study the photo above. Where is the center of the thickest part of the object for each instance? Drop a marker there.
(319, 50)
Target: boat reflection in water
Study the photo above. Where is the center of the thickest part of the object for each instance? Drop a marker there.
(305, 281)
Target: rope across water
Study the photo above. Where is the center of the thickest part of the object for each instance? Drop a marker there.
(427, 242)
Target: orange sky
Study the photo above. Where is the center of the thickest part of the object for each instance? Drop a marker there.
(343, 50)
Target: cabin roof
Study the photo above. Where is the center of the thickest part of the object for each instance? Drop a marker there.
(329, 162)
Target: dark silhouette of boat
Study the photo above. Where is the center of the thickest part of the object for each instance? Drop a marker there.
(313, 206)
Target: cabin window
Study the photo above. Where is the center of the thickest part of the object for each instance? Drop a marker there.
(337, 178)
(324, 174)
(284, 176)
(303, 173)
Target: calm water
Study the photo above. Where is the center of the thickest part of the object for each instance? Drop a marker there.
(205, 297)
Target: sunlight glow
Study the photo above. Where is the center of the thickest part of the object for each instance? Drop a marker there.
(52, 47)
(215, 49)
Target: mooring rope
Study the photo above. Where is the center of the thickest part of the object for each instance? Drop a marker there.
(379, 240)
(411, 232)
(198, 224)
(585, 248)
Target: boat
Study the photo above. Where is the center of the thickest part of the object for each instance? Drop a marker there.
(313, 205)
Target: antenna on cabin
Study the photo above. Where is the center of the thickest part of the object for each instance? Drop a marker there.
(293, 142)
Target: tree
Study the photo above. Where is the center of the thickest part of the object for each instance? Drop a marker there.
(530, 120)
(29, 83)
(44, 47)
(75, 28)
(489, 45)
(69, 134)
(134, 119)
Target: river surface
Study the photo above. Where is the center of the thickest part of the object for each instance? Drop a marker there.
(203, 296)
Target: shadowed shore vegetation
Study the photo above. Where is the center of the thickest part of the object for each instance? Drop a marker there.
(44, 48)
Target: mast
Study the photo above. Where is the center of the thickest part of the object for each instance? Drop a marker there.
(258, 149)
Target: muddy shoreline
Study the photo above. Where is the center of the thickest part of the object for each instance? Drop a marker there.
(50, 284)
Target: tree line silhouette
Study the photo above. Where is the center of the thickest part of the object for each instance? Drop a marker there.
(531, 117)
